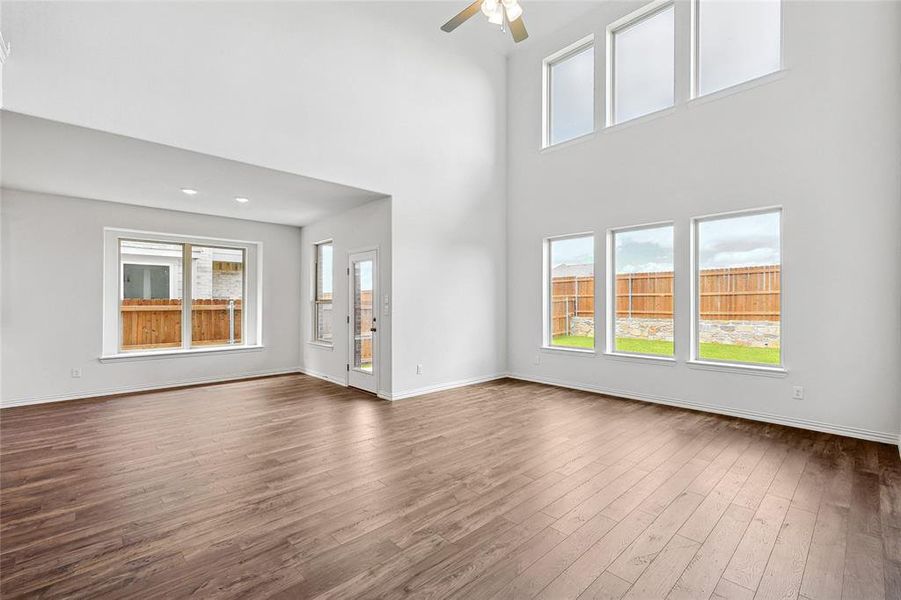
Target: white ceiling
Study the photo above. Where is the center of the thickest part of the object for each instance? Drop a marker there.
(56, 158)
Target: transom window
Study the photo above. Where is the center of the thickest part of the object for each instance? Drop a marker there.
(569, 93)
(735, 41)
(641, 63)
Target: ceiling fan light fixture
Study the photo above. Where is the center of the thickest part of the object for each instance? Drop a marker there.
(514, 11)
(497, 17)
(489, 7)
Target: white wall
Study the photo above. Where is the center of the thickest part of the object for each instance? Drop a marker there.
(822, 140)
(367, 226)
(348, 92)
(52, 259)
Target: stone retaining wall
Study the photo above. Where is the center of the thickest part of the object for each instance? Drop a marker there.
(757, 334)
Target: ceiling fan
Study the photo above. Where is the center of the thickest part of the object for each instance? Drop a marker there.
(499, 12)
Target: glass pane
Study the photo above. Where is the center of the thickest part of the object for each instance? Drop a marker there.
(572, 292)
(324, 271)
(739, 289)
(644, 291)
(644, 66)
(324, 274)
(737, 41)
(571, 100)
(217, 296)
(151, 295)
(363, 315)
(324, 321)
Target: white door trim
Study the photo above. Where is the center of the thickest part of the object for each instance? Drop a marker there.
(368, 381)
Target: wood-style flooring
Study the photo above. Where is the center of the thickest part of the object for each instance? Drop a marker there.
(290, 487)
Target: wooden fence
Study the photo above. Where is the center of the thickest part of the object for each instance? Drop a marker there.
(154, 324)
(740, 294)
(365, 318)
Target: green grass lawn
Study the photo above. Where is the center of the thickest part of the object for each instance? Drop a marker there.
(727, 352)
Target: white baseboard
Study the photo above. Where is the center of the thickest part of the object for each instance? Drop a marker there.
(323, 376)
(139, 388)
(440, 387)
(855, 432)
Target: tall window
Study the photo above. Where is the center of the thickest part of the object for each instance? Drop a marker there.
(735, 41)
(217, 295)
(641, 63)
(322, 310)
(738, 270)
(643, 291)
(569, 93)
(570, 294)
(171, 293)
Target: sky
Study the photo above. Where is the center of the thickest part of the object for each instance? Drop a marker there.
(644, 250)
(573, 251)
(730, 242)
(739, 241)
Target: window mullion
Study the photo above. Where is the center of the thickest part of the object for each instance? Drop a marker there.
(186, 294)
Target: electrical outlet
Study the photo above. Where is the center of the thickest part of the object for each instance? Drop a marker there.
(76, 373)
(798, 392)
(537, 360)
(419, 369)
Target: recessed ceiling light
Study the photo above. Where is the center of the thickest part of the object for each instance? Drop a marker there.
(189, 191)
(242, 200)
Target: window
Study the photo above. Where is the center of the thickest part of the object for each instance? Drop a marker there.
(166, 293)
(738, 282)
(642, 286)
(322, 300)
(569, 93)
(151, 300)
(569, 306)
(735, 41)
(641, 63)
(217, 295)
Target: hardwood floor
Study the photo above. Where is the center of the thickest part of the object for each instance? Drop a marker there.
(290, 487)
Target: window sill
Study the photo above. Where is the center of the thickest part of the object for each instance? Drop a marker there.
(666, 361)
(576, 140)
(157, 354)
(759, 370)
(322, 345)
(651, 116)
(564, 350)
(738, 87)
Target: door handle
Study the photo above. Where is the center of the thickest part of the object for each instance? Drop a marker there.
(372, 329)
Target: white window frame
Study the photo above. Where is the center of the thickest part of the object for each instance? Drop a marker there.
(547, 63)
(252, 338)
(695, 359)
(695, 69)
(610, 295)
(314, 337)
(630, 20)
(546, 304)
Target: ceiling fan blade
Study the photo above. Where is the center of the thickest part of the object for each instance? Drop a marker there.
(518, 29)
(462, 16)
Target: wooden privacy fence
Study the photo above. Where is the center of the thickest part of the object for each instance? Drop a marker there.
(150, 324)
(739, 294)
(364, 336)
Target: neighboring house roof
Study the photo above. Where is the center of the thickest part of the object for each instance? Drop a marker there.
(566, 270)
